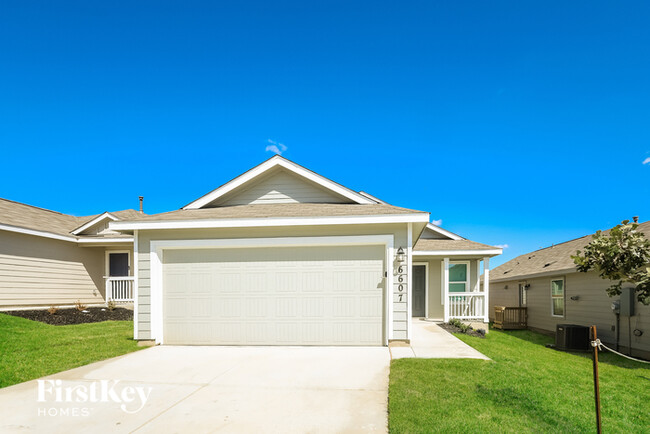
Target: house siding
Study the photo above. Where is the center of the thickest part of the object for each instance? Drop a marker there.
(399, 231)
(37, 271)
(593, 307)
(281, 187)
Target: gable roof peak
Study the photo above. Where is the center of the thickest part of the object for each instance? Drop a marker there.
(278, 161)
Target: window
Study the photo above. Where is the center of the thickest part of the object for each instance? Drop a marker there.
(458, 276)
(557, 297)
(522, 295)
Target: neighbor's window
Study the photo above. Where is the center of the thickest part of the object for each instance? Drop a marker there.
(557, 297)
(458, 276)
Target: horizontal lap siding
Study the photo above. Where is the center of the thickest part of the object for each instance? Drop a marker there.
(502, 296)
(593, 307)
(36, 271)
(282, 187)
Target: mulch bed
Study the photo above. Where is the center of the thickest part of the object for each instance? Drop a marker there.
(453, 329)
(73, 316)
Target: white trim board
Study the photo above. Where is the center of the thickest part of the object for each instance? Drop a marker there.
(458, 252)
(70, 239)
(273, 162)
(444, 232)
(37, 233)
(268, 222)
(157, 247)
(104, 240)
(93, 222)
(136, 292)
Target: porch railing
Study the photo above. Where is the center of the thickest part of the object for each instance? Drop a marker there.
(119, 289)
(467, 305)
(510, 318)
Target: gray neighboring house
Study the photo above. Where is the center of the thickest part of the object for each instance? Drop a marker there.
(279, 255)
(547, 283)
(52, 259)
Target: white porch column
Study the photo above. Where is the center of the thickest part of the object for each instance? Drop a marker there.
(486, 288)
(477, 286)
(445, 288)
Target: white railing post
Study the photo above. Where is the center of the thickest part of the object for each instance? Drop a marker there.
(445, 288)
(109, 292)
(486, 289)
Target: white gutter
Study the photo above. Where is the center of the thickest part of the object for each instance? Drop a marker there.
(267, 222)
(457, 252)
(70, 239)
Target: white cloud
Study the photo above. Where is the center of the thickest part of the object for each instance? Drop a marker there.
(436, 222)
(502, 246)
(646, 161)
(275, 147)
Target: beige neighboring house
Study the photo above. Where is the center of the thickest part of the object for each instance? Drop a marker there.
(52, 259)
(547, 283)
(281, 255)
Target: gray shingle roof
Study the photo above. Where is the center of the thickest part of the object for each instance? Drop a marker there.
(554, 258)
(279, 210)
(433, 245)
(41, 219)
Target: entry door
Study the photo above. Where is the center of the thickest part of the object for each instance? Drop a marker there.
(118, 264)
(419, 287)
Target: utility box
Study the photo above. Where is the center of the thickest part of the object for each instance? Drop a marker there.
(627, 301)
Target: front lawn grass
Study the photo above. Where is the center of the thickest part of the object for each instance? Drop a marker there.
(30, 349)
(526, 388)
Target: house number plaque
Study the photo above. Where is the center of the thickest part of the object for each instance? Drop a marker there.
(401, 279)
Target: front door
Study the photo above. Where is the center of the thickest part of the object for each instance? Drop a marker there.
(419, 287)
(118, 264)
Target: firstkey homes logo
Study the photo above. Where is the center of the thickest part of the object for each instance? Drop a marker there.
(61, 399)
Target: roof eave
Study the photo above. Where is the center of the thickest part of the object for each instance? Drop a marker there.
(534, 275)
(269, 221)
(466, 252)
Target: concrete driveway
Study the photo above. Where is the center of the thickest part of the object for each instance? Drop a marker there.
(206, 389)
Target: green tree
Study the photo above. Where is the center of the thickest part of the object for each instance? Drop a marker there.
(622, 255)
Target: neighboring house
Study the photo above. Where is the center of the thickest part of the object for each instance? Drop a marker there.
(48, 258)
(547, 283)
(283, 256)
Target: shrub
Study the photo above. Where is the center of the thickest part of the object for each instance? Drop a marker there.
(52, 310)
(80, 306)
(111, 305)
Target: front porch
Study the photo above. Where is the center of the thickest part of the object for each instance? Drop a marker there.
(450, 287)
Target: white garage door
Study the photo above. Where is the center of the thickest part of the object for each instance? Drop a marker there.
(274, 296)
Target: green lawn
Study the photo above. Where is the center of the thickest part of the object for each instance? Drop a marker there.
(526, 388)
(30, 349)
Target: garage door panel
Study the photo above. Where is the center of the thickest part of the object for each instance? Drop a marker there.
(274, 296)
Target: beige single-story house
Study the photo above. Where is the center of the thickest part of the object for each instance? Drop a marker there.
(279, 255)
(52, 259)
(553, 292)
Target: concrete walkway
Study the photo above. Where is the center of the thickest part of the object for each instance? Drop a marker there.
(207, 389)
(429, 341)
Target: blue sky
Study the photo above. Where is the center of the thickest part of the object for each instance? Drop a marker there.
(518, 123)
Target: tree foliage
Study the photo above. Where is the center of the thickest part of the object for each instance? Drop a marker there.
(622, 255)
